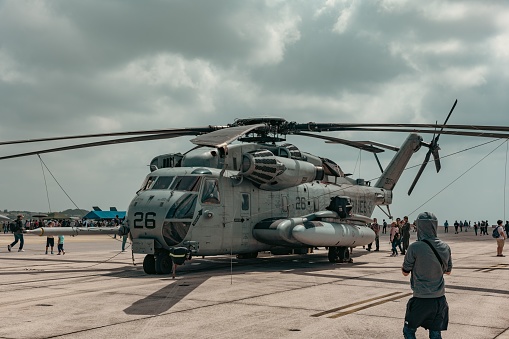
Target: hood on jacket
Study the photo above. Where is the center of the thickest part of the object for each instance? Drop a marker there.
(427, 224)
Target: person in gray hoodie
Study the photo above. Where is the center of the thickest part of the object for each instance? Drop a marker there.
(427, 260)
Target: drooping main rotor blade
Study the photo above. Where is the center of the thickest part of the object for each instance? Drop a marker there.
(101, 143)
(428, 131)
(355, 144)
(423, 166)
(379, 144)
(181, 131)
(331, 127)
(223, 137)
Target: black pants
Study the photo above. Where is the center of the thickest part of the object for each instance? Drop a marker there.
(406, 243)
(430, 313)
(377, 244)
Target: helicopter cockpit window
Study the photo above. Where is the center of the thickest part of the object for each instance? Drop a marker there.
(162, 183)
(147, 184)
(186, 183)
(210, 194)
(183, 208)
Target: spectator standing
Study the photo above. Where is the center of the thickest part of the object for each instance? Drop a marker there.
(475, 227)
(427, 260)
(60, 245)
(501, 238)
(18, 234)
(446, 227)
(384, 229)
(405, 234)
(456, 224)
(506, 228)
(376, 228)
(50, 240)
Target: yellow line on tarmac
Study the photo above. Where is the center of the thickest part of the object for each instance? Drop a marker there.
(368, 306)
(354, 304)
(492, 268)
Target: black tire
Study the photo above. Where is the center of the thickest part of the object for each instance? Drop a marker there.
(164, 264)
(149, 264)
(344, 254)
(301, 250)
(333, 254)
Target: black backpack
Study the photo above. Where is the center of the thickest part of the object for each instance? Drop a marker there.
(13, 227)
(495, 233)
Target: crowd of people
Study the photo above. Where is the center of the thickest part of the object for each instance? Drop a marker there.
(400, 230)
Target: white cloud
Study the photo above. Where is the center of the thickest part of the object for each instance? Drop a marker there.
(11, 72)
(270, 33)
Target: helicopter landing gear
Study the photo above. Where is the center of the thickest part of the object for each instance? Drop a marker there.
(339, 254)
(149, 264)
(251, 255)
(163, 263)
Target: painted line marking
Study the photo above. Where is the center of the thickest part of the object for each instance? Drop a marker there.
(353, 304)
(368, 306)
(492, 268)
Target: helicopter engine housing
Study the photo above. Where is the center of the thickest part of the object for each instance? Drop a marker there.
(272, 173)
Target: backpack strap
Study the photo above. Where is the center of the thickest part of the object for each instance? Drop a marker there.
(436, 253)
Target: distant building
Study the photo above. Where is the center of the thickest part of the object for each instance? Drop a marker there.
(98, 214)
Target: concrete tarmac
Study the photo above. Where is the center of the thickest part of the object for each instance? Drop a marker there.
(95, 291)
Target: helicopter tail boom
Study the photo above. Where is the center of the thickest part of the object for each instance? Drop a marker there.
(392, 173)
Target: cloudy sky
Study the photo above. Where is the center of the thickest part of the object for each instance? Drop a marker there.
(79, 67)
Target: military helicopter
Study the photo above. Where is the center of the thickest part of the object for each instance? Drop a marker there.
(260, 194)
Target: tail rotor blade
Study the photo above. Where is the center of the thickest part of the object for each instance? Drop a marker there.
(445, 122)
(436, 157)
(423, 166)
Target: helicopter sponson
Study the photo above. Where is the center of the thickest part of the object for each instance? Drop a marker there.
(316, 229)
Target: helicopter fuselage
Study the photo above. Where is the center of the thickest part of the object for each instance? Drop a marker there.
(211, 210)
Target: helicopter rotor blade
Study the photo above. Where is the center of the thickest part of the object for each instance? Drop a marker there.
(181, 131)
(360, 145)
(100, 143)
(474, 133)
(423, 166)
(223, 137)
(436, 158)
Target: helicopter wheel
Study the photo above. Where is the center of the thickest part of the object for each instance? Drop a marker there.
(333, 254)
(149, 264)
(163, 264)
(339, 254)
(344, 254)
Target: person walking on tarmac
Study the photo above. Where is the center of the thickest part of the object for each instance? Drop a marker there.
(427, 260)
(18, 234)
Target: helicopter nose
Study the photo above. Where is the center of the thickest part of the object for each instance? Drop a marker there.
(163, 215)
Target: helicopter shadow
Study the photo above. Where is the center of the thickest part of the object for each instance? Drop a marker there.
(194, 274)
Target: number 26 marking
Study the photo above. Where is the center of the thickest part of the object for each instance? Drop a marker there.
(144, 220)
(300, 203)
